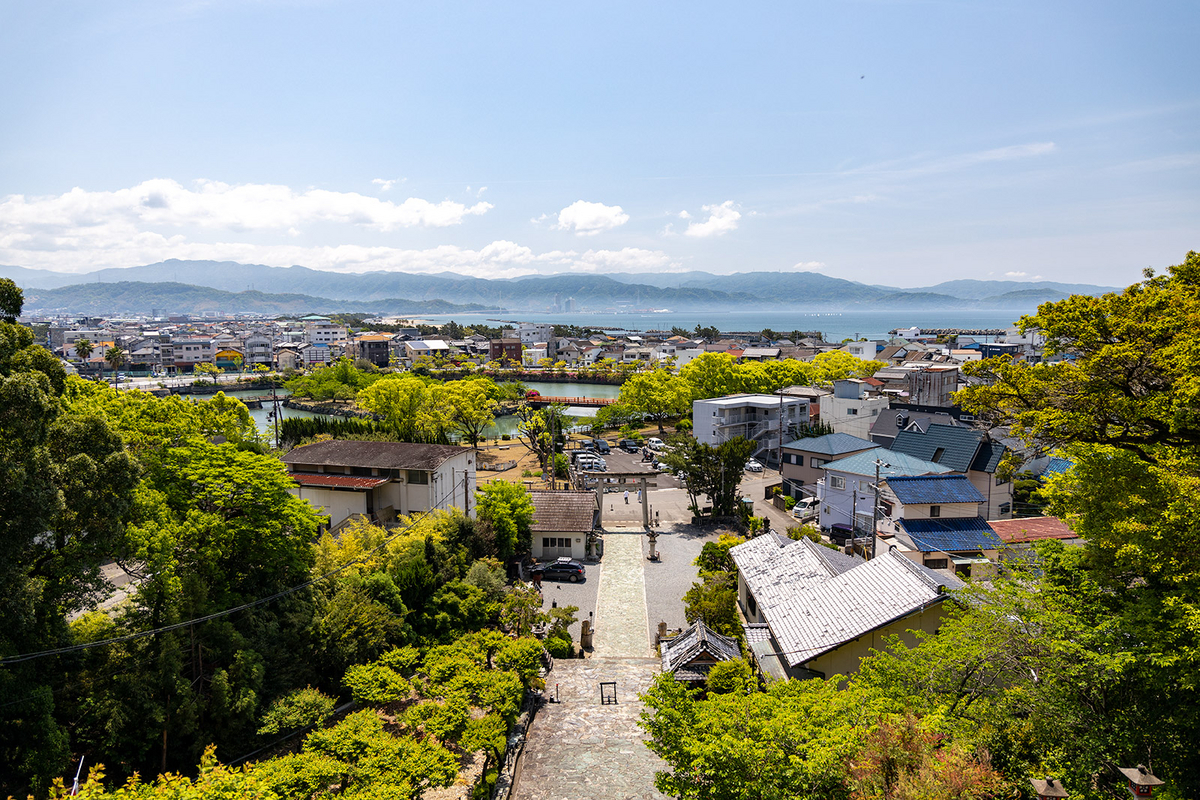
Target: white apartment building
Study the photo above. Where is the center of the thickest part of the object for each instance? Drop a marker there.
(852, 408)
(320, 330)
(751, 416)
(190, 352)
(531, 333)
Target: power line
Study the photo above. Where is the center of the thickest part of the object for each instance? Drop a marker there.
(17, 659)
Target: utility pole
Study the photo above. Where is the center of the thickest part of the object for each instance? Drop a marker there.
(779, 448)
(875, 509)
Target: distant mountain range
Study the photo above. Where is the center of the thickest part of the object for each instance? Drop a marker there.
(195, 286)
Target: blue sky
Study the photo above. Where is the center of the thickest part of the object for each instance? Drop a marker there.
(901, 143)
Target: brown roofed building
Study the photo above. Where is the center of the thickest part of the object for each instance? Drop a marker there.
(563, 521)
(382, 480)
(1024, 532)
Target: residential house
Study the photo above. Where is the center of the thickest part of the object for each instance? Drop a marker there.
(863, 349)
(505, 350)
(229, 359)
(852, 408)
(531, 333)
(755, 417)
(314, 354)
(816, 612)
(288, 357)
(190, 352)
(921, 384)
(935, 521)
(563, 523)
(969, 451)
(433, 348)
(374, 347)
(760, 354)
(1021, 534)
(884, 431)
(847, 492)
(530, 356)
(382, 480)
(690, 655)
(258, 348)
(804, 460)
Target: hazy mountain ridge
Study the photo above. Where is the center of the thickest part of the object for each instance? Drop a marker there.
(137, 298)
(677, 291)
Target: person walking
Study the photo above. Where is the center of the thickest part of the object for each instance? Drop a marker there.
(626, 497)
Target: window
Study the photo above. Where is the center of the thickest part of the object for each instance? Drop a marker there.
(935, 511)
(936, 563)
(418, 476)
(815, 462)
(837, 482)
(1006, 508)
(937, 455)
(798, 460)
(753, 606)
(852, 412)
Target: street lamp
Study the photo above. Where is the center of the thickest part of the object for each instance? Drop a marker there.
(1141, 781)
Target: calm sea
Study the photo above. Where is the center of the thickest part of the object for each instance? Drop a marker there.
(835, 325)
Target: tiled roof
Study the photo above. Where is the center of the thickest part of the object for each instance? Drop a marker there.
(898, 464)
(564, 511)
(812, 610)
(1031, 529)
(1057, 465)
(337, 481)
(677, 652)
(935, 489)
(951, 534)
(831, 444)
(958, 446)
(381, 455)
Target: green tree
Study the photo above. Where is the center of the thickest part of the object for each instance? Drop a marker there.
(115, 357)
(84, 348)
(714, 601)
(658, 395)
(506, 509)
(406, 404)
(208, 369)
(11, 300)
(715, 472)
(469, 407)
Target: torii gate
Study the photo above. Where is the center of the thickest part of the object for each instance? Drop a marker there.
(643, 481)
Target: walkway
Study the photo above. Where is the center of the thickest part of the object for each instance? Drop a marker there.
(621, 622)
(578, 748)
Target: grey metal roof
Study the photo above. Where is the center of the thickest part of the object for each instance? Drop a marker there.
(811, 610)
(831, 444)
(953, 447)
(381, 455)
(897, 464)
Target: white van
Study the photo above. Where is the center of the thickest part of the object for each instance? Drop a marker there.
(654, 443)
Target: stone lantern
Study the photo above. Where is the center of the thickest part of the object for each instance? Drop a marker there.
(1048, 788)
(1141, 780)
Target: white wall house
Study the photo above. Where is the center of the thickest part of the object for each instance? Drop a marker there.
(847, 492)
(751, 416)
(321, 330)
(852, 408)
(382, 480)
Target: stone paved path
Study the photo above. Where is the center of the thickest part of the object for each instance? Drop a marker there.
(621, 622)
(580, 749)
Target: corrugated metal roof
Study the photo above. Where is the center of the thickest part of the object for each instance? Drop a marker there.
(831, 444)
(951, 534)
(957, 446)
(1058, 465)
(934, 489)
(898, 464)
(337, 481)
(811, 610)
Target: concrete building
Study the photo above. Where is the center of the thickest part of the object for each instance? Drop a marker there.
(752, 416)
(382, 480)
(321, 330)
(531, 333)
(190, 352)
(816, 612)
(852, 408)
(505, 350)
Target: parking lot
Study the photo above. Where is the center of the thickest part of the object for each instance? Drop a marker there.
(618, 461)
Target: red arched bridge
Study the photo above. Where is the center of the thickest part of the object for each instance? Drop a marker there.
(545, 400)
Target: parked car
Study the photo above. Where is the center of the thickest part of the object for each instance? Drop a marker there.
(593, 463)
(754, 466)
(564, 569)
(629, 445)
(655, 443)
(841, 533)
(805, 507)
(601, 446)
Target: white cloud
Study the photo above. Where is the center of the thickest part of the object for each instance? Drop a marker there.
(162, 203)
(384, 185)
(684, 215)
(1015, 274)
(809, 266)
(721, 220)
(588, 219)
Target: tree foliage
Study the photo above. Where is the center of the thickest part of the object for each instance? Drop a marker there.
(715, 472)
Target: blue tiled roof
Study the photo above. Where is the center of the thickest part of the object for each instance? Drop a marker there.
(935, 489)
(946, 444)
(831, 444)
(951, 534)
(898, 464)
(1058, 465)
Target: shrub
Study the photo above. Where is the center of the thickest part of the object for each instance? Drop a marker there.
(504, 437)
(683, 425)
(789, 502)
(559, 648)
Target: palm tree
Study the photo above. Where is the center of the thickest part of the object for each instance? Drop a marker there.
(115, 356)
(84, 348)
